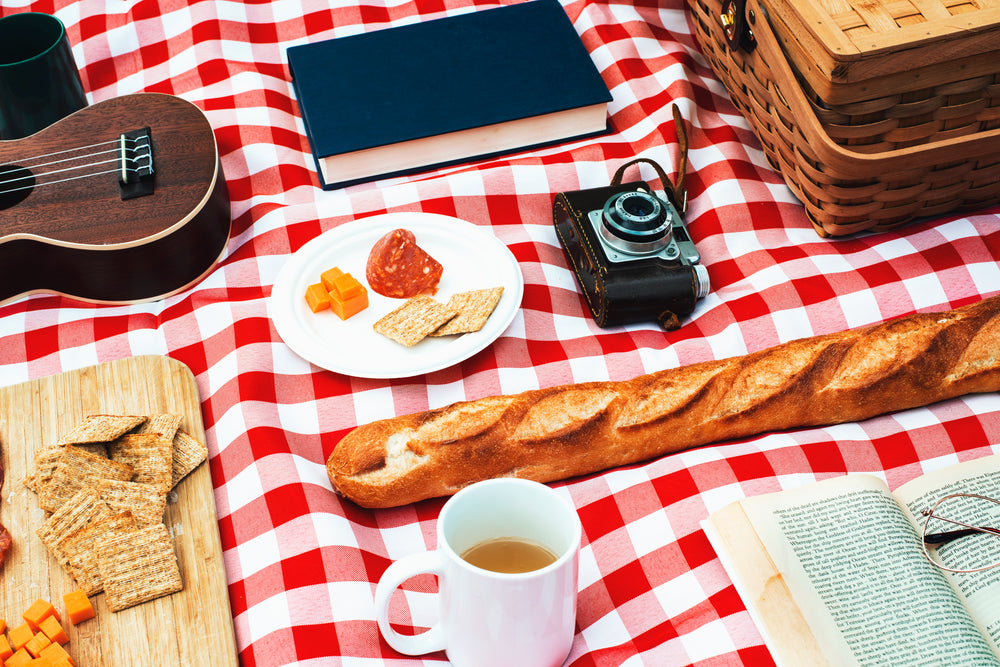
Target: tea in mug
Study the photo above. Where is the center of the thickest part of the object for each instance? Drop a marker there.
(509, 555)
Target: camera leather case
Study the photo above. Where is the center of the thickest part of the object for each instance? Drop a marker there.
(650, 289)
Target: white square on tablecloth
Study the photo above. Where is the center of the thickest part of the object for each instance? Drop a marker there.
(373, 404)
(589, 573)
(925, 291)
(796, 480)
(591, 368)
(609, 630)
(446, 393)
(650, 533)
(298, 417)
(266, 617)
(915, 418)
(514, 380)
(708, 641)
(791, 324)
(985, 275)
(243, 489)
(333, 530)
(403, 540)
(423, 608)
(351, 601)
(717, 498)
(679, 594)
(531, 179)
(123, 40)
(258, 553)
(860, 308)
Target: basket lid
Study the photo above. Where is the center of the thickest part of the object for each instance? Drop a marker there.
(856, 40)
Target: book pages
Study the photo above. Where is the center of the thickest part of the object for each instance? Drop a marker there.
(851, 558)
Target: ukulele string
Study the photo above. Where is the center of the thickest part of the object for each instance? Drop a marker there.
(147, 156)
(115, 143)
(66, 180)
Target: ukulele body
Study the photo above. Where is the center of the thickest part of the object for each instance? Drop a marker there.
(65, 227)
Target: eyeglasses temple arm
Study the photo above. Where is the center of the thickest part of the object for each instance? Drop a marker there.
(949, 535)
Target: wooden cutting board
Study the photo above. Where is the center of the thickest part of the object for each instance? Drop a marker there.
(190, 627)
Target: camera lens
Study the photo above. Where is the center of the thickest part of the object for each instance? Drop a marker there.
(636, 223)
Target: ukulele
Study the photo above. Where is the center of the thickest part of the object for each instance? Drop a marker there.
(123, 201)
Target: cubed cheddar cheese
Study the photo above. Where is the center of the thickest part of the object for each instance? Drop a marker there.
(20, 658)
(53, 630)
(78, 607)
(20, 636)
(317, 297)
(352, 305)
(37, 643)
(5, 649)
(56, 655)
(328, 277)
(347, 287)
(340, 292)
(38, 612)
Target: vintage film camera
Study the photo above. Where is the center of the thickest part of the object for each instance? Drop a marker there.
(631, 252)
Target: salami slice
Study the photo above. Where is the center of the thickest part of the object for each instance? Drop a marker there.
(5, 542)
(399, 268)
(5, 538)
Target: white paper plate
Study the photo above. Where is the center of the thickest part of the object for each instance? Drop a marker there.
(472, 259)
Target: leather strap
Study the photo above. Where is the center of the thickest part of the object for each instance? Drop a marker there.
(676, 191)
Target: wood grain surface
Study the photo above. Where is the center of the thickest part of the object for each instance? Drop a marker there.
(191, 627)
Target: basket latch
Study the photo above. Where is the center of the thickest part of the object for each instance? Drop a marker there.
(736, 24)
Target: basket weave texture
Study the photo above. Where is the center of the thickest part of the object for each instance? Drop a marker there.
(866, 164)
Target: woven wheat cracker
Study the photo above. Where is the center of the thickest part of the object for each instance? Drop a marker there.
(82, 546)
(473, 307)
(414, 320)
(138, 566)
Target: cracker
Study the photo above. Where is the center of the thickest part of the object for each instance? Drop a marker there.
(77, 468)
(414, 320)
(81, 549)
(146, 502)
(473, 307)
(85, 507)
(188, 454)
(165, 424)
(138, 566)
(101, 428)
(149, 454)
(46, 459)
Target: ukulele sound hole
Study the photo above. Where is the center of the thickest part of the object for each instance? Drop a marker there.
(16, 183)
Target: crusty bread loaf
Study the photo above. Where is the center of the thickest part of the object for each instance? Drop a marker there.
(575, 429)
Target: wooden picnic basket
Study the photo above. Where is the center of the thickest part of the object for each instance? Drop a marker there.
(876, 112)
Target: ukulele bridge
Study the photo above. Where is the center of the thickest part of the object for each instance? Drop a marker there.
(135, 164)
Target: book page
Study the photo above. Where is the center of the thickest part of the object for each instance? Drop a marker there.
(852, 559)
(769, 602)
(981, 590)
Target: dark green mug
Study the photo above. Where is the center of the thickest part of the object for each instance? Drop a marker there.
(39, 80)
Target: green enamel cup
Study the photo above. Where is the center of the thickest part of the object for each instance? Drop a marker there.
(39, 80)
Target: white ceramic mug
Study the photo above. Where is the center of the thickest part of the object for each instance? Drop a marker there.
(489, 618)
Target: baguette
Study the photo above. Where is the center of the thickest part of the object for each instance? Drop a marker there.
(576, 429)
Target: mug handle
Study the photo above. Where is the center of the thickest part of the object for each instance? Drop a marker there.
(422, 563)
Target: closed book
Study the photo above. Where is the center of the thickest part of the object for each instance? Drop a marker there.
(409, 98)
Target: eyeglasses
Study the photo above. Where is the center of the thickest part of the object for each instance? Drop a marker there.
(963, 515)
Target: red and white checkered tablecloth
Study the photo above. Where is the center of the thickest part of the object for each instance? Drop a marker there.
(302, 563)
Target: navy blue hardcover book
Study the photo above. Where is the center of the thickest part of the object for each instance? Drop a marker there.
(409, 98)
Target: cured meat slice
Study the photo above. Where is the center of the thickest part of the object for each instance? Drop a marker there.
(399, 268)
(5, 538)
(5, 542)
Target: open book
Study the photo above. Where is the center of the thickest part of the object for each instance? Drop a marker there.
(833, 573)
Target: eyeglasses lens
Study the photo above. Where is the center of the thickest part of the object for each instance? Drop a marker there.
(962, 533)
